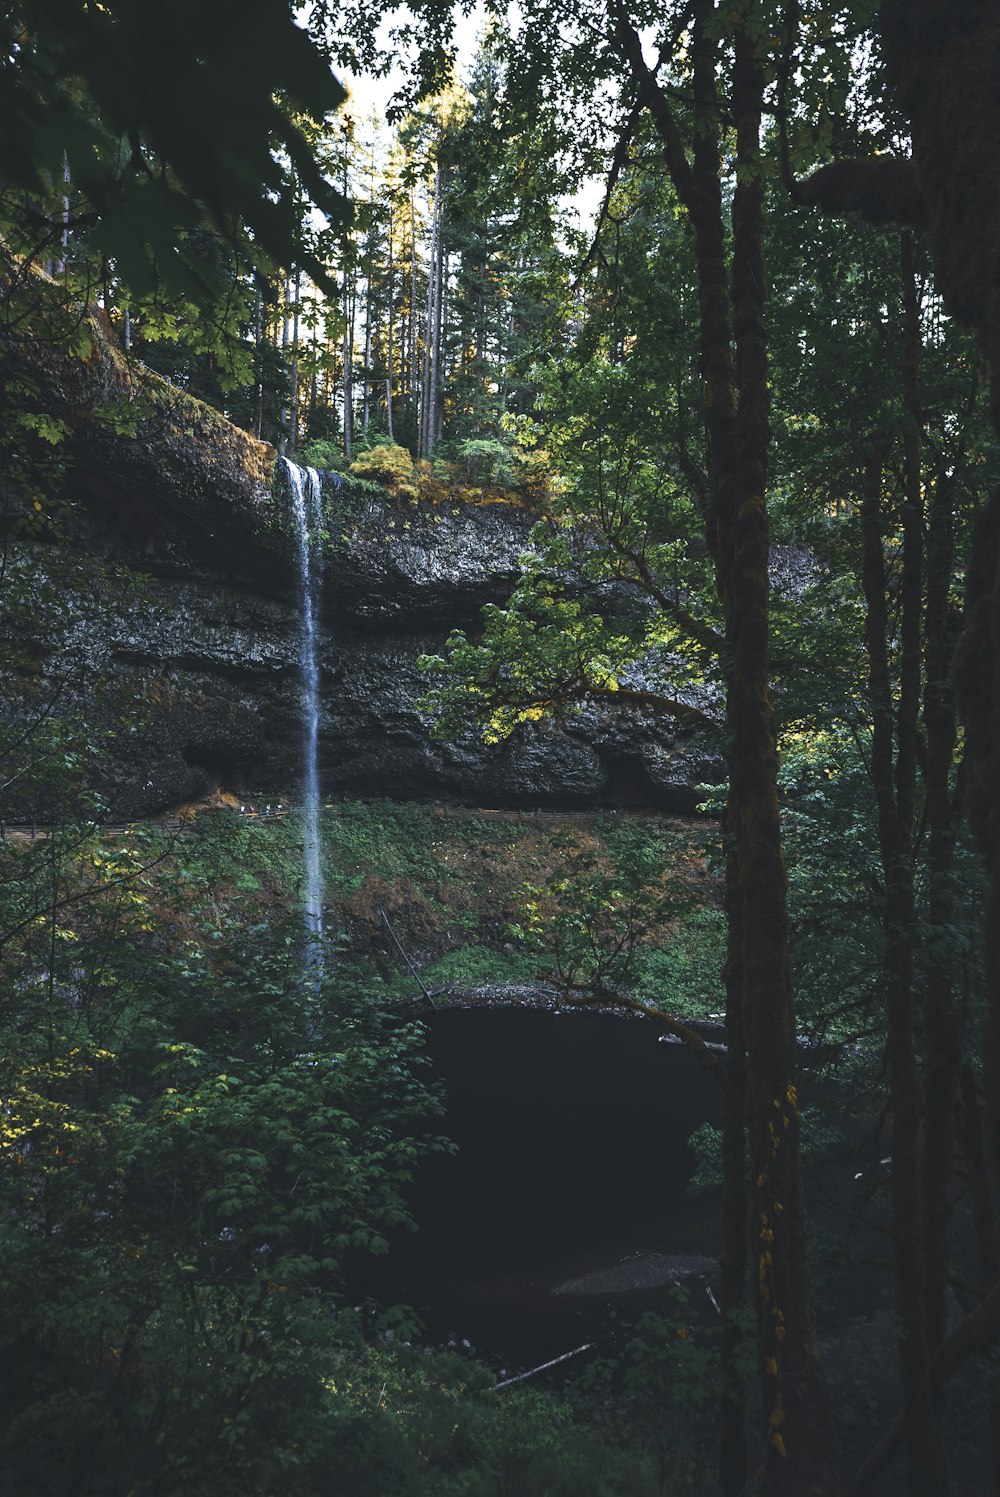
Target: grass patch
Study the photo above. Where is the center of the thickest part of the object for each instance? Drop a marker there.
(480, 898)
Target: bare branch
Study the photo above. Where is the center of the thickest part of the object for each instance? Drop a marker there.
(597, 995)
(413, 971)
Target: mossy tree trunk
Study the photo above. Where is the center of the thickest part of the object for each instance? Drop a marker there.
(894, 778)
(760, 1111)
(944, 61)
(943, 1009)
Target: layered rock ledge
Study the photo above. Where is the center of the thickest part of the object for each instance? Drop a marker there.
(158, 599)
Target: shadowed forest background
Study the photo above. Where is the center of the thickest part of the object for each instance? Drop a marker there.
(648, 626)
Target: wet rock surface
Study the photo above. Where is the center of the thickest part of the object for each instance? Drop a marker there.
(199, 688)
(647, 1271)
(168, 618)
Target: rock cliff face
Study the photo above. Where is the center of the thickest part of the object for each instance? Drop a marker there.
(176, 609)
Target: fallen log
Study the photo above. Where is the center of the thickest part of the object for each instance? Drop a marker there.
(522, 1377)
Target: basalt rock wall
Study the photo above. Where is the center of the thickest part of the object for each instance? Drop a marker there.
(159, 602)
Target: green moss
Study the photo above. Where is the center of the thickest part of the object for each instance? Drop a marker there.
(456, 884)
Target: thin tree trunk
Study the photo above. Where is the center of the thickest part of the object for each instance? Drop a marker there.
(800, 1455)
(426, 401)
(734, 1258)
(940, 89)
(437, 404)
(985, 1228)
(389, 336)
(64, 236)
(258, 342)
(313, 380)
(894, 787)
(366, 394)
(347, 351)
(413, 304)
(942, 1005)
(348, 356)
(285, 342)
(293, 425)
(480, 371)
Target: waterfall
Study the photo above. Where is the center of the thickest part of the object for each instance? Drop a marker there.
(307, 514)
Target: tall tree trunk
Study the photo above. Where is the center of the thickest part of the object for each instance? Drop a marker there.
(800, 1459)
(60, 267)
(348, 357)
(985, 1228)
(801, 1450)
(427, 392)
(412, 351)
(366, 392)
(943, 60)
(258, 340)
(313, 381)
(437, 362)
(283, 411)
(480, 361)
(942, 1002)
(895, 788)
(293, 425)
(735, 1255)
(347, 350)
(389, 334)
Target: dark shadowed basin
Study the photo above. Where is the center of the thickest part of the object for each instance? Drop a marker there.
(567, 1199)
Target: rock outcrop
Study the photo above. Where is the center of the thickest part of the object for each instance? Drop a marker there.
(173, 624)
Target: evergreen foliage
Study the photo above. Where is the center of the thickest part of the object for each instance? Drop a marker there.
(758, 449)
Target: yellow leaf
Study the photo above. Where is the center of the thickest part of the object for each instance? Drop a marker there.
(778, 1443)
(777, 1417)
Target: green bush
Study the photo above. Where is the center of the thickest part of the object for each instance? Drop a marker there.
(325, 455)
(684, 973)
(486, 461)
(195, 1136)
(390, 465)
(431, 1426)
(658, 1401)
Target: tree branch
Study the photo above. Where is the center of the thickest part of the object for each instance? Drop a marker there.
(650, 96)
(618, 164)
(596, 995)
(573, 694)
(413, 971)
(697, 629)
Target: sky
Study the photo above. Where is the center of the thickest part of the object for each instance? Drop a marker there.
(367, 95)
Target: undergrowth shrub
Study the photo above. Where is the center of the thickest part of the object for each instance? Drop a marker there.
(432, 1426)
(196, 1133)
(388, 464)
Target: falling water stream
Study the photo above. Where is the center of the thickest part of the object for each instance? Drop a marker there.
(306, 492)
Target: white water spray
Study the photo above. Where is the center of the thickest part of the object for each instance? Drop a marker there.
(307, 514)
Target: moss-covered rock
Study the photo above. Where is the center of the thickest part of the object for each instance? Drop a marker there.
(166, 593)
